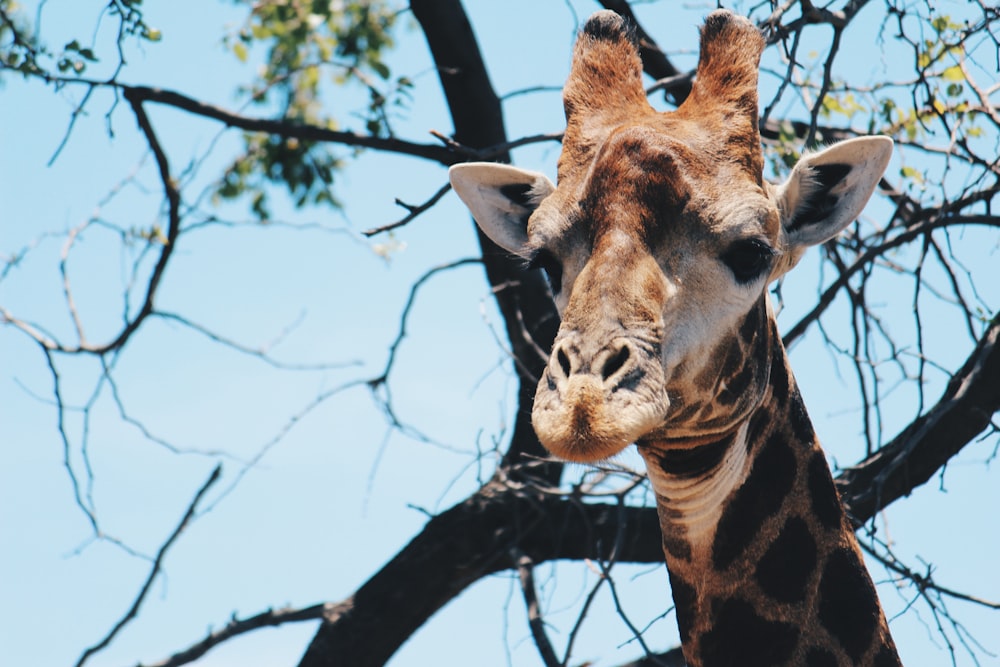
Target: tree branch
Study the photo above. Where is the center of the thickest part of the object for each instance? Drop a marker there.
(173, 197)
(465, 543)
(413, 211)
(235, 627)
(157, 566)
(284, 128)
(525, 571)
(811, 15)
(965, 410)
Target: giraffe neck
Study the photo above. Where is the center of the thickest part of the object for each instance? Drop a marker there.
(764, 566)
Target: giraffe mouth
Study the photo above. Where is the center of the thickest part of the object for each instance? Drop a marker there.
(590, 412)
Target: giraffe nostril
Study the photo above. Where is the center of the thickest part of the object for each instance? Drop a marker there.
(563, 361)
(615, 362)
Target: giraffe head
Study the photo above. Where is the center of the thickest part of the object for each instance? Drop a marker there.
(660, 239)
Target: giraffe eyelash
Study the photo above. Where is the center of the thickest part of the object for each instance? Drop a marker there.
(544, 259)
(748, 259)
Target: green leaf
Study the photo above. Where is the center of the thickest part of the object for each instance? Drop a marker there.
(954, 73)
(912, 174)
(380, 68)
(240, 51)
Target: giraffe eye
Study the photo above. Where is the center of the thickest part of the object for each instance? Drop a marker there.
(548, 263)
(748, 259)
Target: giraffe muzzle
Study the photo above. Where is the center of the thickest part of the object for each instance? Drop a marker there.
(590, 406)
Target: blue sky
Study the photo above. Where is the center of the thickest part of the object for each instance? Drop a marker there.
(341, 492)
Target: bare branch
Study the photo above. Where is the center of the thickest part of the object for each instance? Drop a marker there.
(606, 573)
(414, 211)
(575, 632)
(928, 221)
(536, 623)
(465, 543)
(262, 352)
(284, 128)
(235, 627)
(65, 440)
(404, 317)
(173, 197)
(157, 566)
(913, 456)
(825, 88)
(811, 15)
(923, 582)
(381, 381)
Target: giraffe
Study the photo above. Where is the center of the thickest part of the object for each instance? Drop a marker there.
(659, 242)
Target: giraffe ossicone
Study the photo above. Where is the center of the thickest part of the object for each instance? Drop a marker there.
(659, 240)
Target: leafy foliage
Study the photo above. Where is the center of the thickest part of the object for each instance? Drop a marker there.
(309, 46)
(23, 51)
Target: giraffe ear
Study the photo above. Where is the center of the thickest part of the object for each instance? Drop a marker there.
(826, 191)
(501, 198)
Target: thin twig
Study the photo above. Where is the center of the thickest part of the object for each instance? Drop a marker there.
(923, 582)
(235, 627)
(262, 353)
(157, 566)
(383, 377)
(825, 88)
(414, 211)
(933, 219)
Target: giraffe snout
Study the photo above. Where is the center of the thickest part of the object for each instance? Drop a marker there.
(592, 404)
